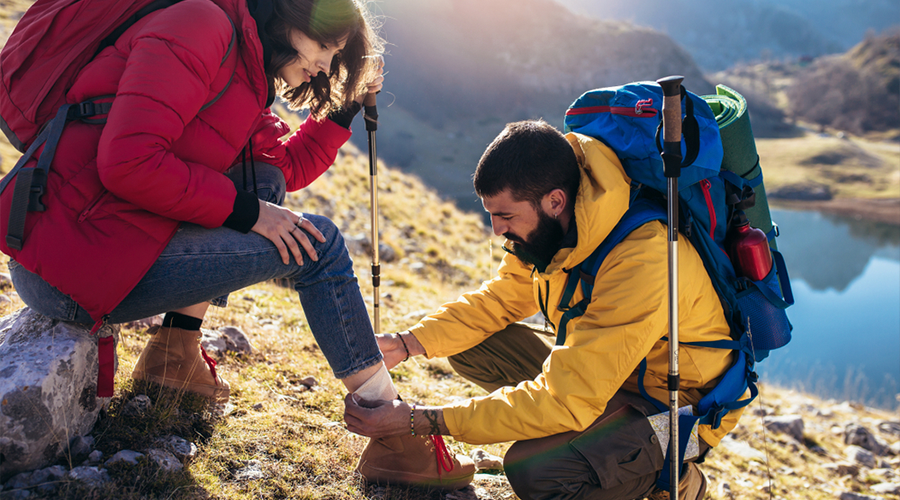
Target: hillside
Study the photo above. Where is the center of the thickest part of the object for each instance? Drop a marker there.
(719, 35)
(458, 70)
(283, 436)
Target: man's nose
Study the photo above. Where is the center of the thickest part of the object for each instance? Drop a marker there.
(499, 227)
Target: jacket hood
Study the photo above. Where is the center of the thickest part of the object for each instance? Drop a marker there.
(601, 201)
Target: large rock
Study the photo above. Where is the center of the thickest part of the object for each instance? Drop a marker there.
(48, 388)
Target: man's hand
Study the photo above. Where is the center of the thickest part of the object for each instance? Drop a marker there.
(376, 419)
(391, 418)
(392, 346)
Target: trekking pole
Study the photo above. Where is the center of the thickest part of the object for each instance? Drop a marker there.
(671, 155)
(371, 117)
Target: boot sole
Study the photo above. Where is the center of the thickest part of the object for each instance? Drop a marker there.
(386, 476)
(219, 394)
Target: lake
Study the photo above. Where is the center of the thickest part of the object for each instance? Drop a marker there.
(845, 276)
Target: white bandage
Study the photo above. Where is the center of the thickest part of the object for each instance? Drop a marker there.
(379, 386)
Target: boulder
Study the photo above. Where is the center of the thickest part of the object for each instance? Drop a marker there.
(860, 436)
(48, 388)
(792, 425)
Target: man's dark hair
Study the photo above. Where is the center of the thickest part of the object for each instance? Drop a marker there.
(530, 158)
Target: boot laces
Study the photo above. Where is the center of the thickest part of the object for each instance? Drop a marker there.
(211, 363)
(444, 459)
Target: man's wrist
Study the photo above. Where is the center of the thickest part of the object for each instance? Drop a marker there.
(412, 344)
(428, 420)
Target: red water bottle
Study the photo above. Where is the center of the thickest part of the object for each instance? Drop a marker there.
(748, 249)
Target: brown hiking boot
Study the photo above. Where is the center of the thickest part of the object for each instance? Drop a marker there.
(691, 487)
(422, 461)
(174, 358)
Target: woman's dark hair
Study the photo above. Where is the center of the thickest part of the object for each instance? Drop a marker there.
(530, 158)
(330, 22)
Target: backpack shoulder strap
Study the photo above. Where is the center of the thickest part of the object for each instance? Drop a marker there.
(640, 212)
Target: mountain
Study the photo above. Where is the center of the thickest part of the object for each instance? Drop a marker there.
(747, 30)
(459, 70)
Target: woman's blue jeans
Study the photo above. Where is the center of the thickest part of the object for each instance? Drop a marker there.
(202, 264)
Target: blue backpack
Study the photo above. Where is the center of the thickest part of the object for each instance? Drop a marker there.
(628, 119)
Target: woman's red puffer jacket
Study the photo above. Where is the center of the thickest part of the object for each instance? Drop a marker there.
(116, 193)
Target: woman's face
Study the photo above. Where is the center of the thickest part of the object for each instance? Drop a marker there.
(313, 58)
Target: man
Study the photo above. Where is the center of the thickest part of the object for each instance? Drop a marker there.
(574, 410)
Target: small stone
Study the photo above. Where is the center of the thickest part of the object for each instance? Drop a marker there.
(887, 488)
(849, 495)
(127, 456)
(861, 456)
(485, 461)
(310, 382)
(236, 340)
(139, 406)
(165, 460)
(791, 425)
(213, 342)
(889, 427)
(858, 435)
(724, 491)
(81, 446)
(251, 472)
(95, 456)
(842, 468)
(183, 449)
(258, 406)
(93, 477)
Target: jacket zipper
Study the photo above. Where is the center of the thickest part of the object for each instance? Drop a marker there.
(705, 185)
(93, 206)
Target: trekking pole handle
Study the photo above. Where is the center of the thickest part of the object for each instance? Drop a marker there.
(671, 86)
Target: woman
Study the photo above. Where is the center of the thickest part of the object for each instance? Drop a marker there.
(154, 209)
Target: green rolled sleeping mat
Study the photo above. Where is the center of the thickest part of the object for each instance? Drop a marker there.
(741, 157)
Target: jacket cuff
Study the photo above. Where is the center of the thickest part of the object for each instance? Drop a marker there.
(245, 212)
(344, 117)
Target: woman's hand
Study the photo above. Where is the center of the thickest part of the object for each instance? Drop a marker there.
(376, 419)
(288, 231)
(395, 349)
(377, 81)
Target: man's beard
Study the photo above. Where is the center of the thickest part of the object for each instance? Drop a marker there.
(541, 245)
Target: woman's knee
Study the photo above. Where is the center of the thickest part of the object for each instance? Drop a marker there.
(266, 180)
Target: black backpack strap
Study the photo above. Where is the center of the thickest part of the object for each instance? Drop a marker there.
(32, 182)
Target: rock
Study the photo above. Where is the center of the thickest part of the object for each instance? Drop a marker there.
(849, 495)
(741, 449)
(858, 435)
(861, 456)
(842, 468)
(485, 461)
(724, 491)
(127, 456)
(90, 476)
(183, 449)
(792, 425)
(138, 406)
(310, 382)
(886, 488)
(213, 342)
(43, 480)
(81, 446)
(251, 472)
(165, 460)
(95, 457)
(236, 340)
(889, 427)
(48, 387)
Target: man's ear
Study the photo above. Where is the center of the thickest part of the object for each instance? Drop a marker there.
(554, 202)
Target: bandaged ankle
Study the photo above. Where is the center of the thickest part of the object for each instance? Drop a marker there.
(379, 386)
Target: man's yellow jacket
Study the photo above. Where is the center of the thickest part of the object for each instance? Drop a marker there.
(624, 322)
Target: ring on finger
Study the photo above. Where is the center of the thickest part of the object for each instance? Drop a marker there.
(300, 221)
